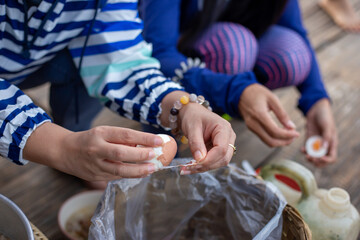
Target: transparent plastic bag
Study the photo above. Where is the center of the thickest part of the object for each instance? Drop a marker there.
(222, 204)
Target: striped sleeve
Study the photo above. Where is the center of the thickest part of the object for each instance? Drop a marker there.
(19, 117)
(117, 65)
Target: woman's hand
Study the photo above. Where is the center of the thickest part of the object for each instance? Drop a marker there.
(101, 153)
(255, 105)
(208, 134)
(209, 137)
(320, 121)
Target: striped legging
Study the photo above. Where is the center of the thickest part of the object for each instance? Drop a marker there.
(279, 58)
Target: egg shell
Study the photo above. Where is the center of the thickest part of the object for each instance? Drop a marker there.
(313, 152)
(165, 153)
(169, 149)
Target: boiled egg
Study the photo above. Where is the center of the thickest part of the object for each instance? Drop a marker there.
(314, 147)
(164, 154)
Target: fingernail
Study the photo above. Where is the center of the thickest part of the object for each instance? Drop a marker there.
(198, 155)
(158, 141)
(291, 124)
(185, 172)
(151, 155)
(152, 168)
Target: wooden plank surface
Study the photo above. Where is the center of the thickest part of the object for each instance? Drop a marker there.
(341, 74)
(322, 31)
(39, 191)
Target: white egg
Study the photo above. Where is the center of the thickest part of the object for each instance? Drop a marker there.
(314, 147)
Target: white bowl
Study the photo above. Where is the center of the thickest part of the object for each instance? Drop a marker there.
(87, 199)
(13, 222)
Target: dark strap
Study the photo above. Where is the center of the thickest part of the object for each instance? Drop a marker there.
(27, 45)
(33, 3)
(81, 59)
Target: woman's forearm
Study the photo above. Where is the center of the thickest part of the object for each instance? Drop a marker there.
(46, 145)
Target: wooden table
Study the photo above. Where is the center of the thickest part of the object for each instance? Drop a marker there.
(39, 191)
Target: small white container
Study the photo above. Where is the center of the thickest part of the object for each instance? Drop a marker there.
(85, 200)
(328, 213)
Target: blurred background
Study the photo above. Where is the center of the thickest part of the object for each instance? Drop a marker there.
(39, 191)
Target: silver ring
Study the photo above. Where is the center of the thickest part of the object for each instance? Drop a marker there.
(233, 147)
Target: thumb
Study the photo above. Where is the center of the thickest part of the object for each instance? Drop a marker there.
(280, 113)
(326, 135)
(197, 144)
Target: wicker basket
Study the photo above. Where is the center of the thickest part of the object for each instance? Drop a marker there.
(38, 235)
(294, 227)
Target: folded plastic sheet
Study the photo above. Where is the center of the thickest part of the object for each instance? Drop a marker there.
(221, 204)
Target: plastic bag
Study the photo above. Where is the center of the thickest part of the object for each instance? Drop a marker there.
(222, 204)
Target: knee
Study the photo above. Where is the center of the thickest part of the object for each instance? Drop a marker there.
(297, 59)
(285, 56)
(228, 48)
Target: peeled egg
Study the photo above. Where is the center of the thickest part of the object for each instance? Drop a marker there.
(314, 147)
(165, 153)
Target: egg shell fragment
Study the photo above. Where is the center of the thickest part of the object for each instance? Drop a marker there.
(164, 154)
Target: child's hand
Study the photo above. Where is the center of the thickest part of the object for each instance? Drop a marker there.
(320, 121)
(255, 105)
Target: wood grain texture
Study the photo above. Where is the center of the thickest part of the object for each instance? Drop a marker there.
(39, 191)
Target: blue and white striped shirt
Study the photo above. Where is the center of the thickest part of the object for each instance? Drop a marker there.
(117, 66)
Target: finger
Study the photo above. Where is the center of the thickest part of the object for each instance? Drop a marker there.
(220, 163)
(333, 150)
(265, 137)
(132, 137)
(315, 161)
(318, 162)
(274, 130)
(222, 136)
(332, 153)
(327, 136)
(303, 150)
(207, 165)
(121, 153)
(196, 143)
(310, 158)
(218, 156)
(280, 113)
(328, 159)
(126, 170)
(191, 169)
